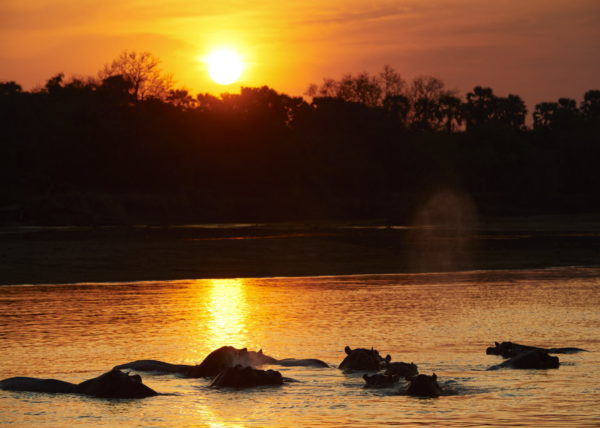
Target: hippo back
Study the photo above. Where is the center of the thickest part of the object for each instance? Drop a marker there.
(246, 377)
(511, 349)
(154, 366)
(115, 384)
(304, 362)
(36, 385)
(507, 349)
(533, 359)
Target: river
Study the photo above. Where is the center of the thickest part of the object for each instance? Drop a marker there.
(441, 322)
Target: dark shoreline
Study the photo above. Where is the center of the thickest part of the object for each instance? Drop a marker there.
(47, 255)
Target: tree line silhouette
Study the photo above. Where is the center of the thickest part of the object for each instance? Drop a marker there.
(128, 147)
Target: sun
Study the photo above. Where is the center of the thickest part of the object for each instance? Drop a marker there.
(225, 66)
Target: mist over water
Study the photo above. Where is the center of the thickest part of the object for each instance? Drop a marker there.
(442, 322)
(443, 239)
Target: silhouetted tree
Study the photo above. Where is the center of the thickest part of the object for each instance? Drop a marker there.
(511, 112)
(116, 90)
(209, 103)
(480, 107)
(483, 109)
(8, 89)
(397, 108)
(590, 106)
(54, 84)
(391, 82)
(363, 88)
(450, 112)
(426, 94)
(563, 114)
(182, 99)
(366, 146)
(142, 71)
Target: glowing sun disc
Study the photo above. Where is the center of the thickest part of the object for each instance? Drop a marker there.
(224, 66)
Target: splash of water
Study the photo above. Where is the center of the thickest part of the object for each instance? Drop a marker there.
(443, 238)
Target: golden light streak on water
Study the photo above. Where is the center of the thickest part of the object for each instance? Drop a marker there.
(227, 307)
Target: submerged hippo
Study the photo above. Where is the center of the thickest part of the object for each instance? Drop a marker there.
(246, 377)
(112, 384)
(423, 386)
(303, 362)
(511, 349)
(402, 369)
(362, 359)
(531, 359)
(378, 380)
(217, 361)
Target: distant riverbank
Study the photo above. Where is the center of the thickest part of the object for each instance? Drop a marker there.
(54, 255)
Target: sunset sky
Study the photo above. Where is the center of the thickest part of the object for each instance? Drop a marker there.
(539, 49)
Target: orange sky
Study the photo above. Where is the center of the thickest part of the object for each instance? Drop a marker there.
(539, 49)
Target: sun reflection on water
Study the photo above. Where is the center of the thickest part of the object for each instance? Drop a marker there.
(228, 310)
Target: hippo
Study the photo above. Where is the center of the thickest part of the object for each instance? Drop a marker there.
(423, 386)
(217, 361)
(155, 366)
(402, 369)
(212, 365)
(246, 377)
(361, 359)
(378, 380)
(220, 359)
(511, 349)
(112, 384)
(305, 362)
(531, 359)
(33, 384)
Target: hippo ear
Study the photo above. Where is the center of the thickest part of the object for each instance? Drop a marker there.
(348, 350)
(388, 358)
(434, 376)
(260, 351)
(497, 344)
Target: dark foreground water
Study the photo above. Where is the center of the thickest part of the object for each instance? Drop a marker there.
(442, 322)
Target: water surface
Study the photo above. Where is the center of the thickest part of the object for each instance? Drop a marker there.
(441, 322)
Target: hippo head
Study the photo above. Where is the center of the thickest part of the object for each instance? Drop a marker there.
(246, 377)
(115, 384)
(259, 358)
(402, 369)
(506, 349)
(497, 349)
(363, 360)
(379, 380)
(423, 386)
